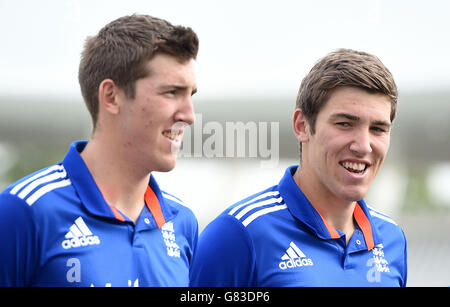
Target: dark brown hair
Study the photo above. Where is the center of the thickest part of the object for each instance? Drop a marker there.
(121, 50)
(344, 67)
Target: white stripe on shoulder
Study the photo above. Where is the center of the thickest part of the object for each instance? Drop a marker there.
(261, 212)
(173, 198)
(271, 200)
(381, 216)
(374, 212)
(42, 180)
(38, 175)
(45, 189)
(256, 205)
(264, 195)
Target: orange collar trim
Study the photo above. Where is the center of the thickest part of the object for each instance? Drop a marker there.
(363, 223)
(154, 206)
(334, 234)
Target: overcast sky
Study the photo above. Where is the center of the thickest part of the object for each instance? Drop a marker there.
(247, 47)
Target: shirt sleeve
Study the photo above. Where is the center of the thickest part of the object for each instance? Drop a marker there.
(405, 267)
(224, 256)
(192, 237)
(18, 241)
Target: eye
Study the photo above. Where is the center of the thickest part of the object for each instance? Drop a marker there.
(379, 129)
(172, 93)
(343, 124)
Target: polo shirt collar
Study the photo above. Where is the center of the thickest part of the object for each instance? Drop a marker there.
(302, 210)
(92, 198)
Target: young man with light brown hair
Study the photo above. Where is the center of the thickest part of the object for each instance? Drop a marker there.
(314, 228)
(98, 218)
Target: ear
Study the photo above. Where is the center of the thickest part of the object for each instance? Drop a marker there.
(301, 126)
(108, 94)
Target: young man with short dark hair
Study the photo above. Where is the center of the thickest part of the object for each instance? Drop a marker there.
(314, 228)
(98, 218)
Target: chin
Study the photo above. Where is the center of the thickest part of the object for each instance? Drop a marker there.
(166, 166)
(353, 195)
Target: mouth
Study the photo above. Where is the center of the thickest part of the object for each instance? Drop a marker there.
(356, 167)
(173, 135)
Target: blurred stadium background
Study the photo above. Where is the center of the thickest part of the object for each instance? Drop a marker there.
(252, 58)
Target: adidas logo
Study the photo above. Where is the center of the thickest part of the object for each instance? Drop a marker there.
(294, 257)
(79, 235)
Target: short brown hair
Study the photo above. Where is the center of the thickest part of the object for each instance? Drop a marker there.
(121, 50)
(344, 67)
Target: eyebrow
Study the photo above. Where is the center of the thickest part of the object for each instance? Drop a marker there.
(357, 118)
(177, 87)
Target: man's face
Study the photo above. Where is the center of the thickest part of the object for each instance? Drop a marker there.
(350, 142)
(162, 99)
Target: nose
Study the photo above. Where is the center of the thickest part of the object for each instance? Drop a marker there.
(186, 112)
(361, 143)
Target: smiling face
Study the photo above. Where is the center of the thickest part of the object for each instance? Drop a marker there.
(162, 100)
(351, 139)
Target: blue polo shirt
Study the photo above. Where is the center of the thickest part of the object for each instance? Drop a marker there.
(277, 238)
(56, 229)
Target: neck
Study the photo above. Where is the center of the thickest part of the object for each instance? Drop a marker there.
(337, 212)
(122, 184)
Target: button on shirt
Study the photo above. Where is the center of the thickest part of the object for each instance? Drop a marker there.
(56, 229)
(277, 238)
